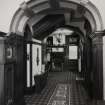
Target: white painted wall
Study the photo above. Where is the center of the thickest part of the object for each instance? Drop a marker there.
(73, 52)
(7, 10)
(100, 4)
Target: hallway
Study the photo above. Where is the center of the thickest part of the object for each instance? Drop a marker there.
(75, 93)
(52, 52)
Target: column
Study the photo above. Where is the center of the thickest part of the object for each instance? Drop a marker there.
(97, 65)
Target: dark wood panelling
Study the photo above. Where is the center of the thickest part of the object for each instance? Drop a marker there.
(17, 41)
(40, 81)
(9, 83)
(12, 71)
(54, 4)
(44, 53)
(44, 27)
(97, 66)
(2, 85)
(87, 66)
(72, 39)
(2, 34)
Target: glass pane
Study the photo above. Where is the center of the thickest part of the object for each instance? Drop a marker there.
(57, 49)
(72, 52)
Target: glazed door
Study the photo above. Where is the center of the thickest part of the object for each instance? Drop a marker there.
(28, 65)
(73, 58)
(36, 61)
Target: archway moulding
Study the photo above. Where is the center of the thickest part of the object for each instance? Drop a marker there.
(20, 18)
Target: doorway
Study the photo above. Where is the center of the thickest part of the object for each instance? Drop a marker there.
(50, 17)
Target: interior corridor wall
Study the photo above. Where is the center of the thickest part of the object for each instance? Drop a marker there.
(9, 7)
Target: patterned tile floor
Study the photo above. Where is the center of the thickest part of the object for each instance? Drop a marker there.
(78, 95)
(60, 95)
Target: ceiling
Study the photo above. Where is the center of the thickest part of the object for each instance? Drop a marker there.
(47, 25)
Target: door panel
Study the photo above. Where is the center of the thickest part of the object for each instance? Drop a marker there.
(28, 65)
(36, 61)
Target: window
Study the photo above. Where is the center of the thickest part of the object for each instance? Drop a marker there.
(57, 49)
(73, 52)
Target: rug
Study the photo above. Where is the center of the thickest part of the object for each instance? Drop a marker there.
(61, 95)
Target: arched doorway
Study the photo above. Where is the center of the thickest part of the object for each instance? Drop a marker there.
(59, 45)
(42, 8)
(35, 20)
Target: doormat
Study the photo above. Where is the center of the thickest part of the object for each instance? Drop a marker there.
(61, 95)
